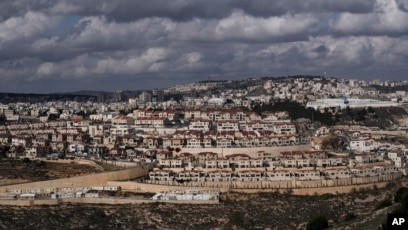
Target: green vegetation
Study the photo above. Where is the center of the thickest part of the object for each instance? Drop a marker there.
(317, 223)
(383, 204)
(2, 119)
(401, 194)
(401, 198)
(296, 110)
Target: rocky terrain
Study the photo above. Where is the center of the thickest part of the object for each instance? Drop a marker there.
(235, 211)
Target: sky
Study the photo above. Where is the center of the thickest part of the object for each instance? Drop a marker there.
(69, 45)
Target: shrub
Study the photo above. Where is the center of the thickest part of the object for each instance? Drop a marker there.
(383, 204)
(349, 216)
(400, 194)
(317, 223)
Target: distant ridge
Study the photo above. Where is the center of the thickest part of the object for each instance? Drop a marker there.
(84, 92)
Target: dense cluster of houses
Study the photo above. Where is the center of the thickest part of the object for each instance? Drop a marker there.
(275, 174)
(301, 165)
(120, 135)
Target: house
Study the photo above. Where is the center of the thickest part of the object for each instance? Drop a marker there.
(122, 120)
(337, 173)
(307, 175)
(239, 160)
(164, 154)
(20, 141)
(256, 163)
(177, 142)
(164, 163)
(204, 156)
(152, 122)
(245, 142)
(192, 114)
(200, 124)
(256, 125)
(117, 152)
(161, 175)
(119, 131)
(366, 158)
(219, 175)
(131, 140)
(386, 169)
(206, 142)
(190, 175)
(187, 157)
(265, 155)
(296, 163)
(323, 130)
(278, 175)
(397, 157)
(4, 139)
(170, 114)
(291, 154)
(228, 126)
(358, 144)
(284, 128)
(176, 163)
(249, 175)
(224, 142)
(97, 150)
(80, 122)
(194, 143)
(315, 154)
(223, 163)
(210, 164)
(363, 171)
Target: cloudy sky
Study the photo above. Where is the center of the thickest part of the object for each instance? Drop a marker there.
(69, 45)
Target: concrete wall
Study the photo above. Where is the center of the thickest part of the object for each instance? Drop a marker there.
(301, 187)
(113, 201)
(87, 180)
(124, 164)
(17, 202)
(108, 200)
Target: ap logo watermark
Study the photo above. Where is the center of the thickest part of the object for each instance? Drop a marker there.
(396, 221)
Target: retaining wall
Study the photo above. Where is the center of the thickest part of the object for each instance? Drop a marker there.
(301, 187)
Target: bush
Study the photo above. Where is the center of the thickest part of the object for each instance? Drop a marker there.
(400, 194)
(317, 223)
(383, 204)
(349, 216)
(26, 160)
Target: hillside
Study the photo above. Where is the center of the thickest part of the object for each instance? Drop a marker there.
(235, 211)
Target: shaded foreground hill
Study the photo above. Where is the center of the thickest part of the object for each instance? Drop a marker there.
(235, 211)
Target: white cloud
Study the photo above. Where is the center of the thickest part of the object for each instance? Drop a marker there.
(30, 25)
(387, 17)
(242, 26)
(246, 28)
(46, 69)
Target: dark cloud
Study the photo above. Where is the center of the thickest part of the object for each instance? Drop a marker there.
(179, 10)
(78, 44)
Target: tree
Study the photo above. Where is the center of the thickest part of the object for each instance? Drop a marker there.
(400, 194)
(317, 223)
(2, 119)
